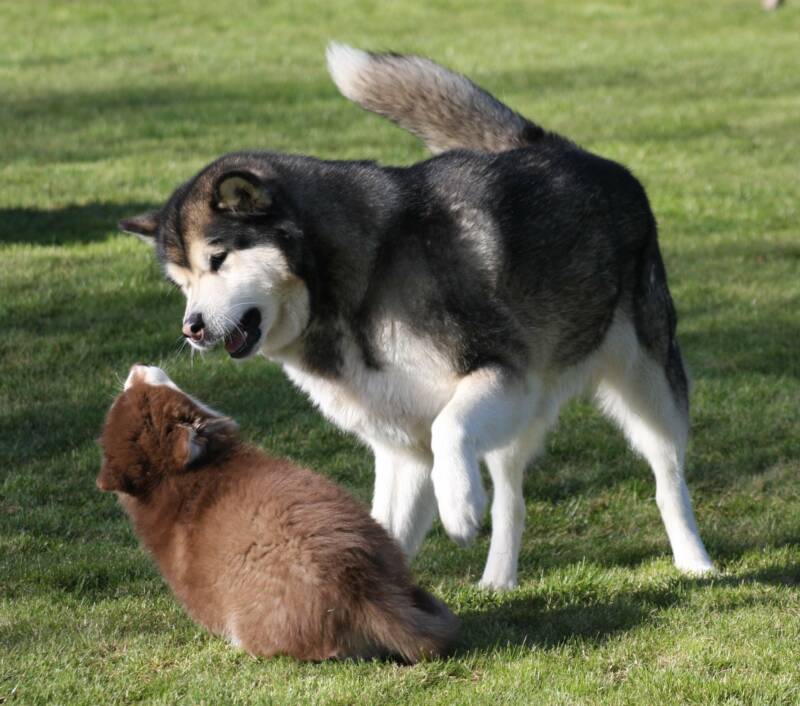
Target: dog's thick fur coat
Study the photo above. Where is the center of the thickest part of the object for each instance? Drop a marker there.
(272, 556)
(445, 311)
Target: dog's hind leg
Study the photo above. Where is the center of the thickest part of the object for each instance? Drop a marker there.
(487, 411)
(507, 469)
(649, 402)
(403, 502)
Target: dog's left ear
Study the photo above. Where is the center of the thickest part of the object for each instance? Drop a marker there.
(144, 226)
(241, 192)
(198, 441)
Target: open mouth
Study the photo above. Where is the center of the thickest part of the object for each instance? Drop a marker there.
(243, 339)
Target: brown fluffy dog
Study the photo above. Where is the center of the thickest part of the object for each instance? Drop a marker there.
(272, 556)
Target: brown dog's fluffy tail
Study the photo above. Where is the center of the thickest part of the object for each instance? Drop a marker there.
(443, 108)
(415, 626)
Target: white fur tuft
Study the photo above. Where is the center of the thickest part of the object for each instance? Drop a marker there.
(346, 65)
(149, 374)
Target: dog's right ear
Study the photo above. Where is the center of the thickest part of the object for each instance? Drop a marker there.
(144, 226)
(242, 193)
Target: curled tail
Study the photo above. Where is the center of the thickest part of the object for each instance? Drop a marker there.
(443, 108)
(415, 625)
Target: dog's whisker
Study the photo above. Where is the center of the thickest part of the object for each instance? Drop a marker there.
(178, 352)
(234, 324)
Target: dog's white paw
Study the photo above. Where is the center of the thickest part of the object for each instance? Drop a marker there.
(697, 567)
(462, 513)
(461, 527)
(498, 583)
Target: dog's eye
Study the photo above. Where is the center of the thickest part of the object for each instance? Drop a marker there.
(217, 260)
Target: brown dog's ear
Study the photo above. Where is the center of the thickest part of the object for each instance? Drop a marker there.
(242, 192)
(144, 226)
(189, 446)
(196, 443)
(218, 428)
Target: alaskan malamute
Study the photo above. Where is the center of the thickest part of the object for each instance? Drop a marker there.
(445, 311)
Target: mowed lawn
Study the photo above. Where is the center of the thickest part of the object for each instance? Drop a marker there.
(106, 106)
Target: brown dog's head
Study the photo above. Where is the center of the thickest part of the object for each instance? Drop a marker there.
(154, 430)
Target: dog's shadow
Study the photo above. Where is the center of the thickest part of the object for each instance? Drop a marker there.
(74, 223)
(530, 622)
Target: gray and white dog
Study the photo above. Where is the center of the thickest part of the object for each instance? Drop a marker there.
(443, 312)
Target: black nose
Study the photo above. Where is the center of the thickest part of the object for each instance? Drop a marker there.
(193, 326)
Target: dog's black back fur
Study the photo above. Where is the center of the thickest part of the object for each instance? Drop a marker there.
(565, 238)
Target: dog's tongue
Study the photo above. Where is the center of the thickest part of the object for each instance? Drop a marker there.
(235, 341)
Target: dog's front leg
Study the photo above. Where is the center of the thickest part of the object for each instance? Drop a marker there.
(403, 501)
(487, 410)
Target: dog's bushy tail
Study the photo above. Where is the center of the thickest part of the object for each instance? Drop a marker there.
(415, 625)
(443, 108)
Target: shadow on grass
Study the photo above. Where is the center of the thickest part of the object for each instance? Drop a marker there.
(528, 622)
(767, 347)
(69, 224)
(514, 622)
(788, 575)
(163, 114)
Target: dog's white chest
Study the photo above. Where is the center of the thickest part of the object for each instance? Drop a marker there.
(394, 404)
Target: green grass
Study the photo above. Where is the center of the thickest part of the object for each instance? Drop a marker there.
(106, 106)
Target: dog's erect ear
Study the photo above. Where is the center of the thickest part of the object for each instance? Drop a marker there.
(143, 226)
(243, 193)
